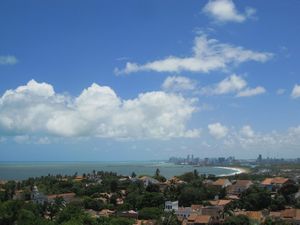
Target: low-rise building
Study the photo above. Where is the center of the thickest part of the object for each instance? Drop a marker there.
(291, 215)
(221, 203)
(239, 187)
(2, 182)
(148, 180)
(273, 184)
(19, 195)
(171, 206)
(129, 214)
(175, 181)
(144, 222)
(195, 219)
(38, 197)
(78, 178)
(221, 183)
(196, 208)
(213, 211)
(106, 213)
(92, 213)
(184, 212)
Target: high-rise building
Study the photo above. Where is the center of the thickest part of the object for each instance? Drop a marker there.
(259, 158)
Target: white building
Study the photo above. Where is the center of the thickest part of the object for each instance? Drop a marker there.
(148, 180)
(37, 197)
(171, 206)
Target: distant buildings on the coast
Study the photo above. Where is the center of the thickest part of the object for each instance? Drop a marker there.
(191, 160)
(227, 161)
(268, 160)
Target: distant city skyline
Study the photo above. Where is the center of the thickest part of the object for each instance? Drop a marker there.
(146, 80)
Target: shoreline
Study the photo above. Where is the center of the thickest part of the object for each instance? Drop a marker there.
(238, 170)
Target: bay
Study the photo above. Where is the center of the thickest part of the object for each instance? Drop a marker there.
(24, 170)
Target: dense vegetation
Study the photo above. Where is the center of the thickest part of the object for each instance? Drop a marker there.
(102, 190)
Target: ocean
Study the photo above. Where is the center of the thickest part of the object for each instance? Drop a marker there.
(24, 170)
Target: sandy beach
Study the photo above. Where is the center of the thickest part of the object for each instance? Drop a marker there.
(237, 170)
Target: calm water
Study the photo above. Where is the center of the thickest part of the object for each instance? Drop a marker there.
(23, 170)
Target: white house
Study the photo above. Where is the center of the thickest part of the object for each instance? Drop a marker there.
(148, 180)
(170, 206)
(37, 197)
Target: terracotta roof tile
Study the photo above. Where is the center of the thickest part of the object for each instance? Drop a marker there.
(280, 180)
(267, 181)
(192, 217)
(220, 182)
(275, 214)
(256, 215)
(288, 213)
(276, 180)
(244, 183)
(203, 219)
(196, 207)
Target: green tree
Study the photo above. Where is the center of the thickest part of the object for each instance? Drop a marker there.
(255, 198)
(90, 203)
(133, 174)
(114, 185)
(196, 174)
(172, 192)
(9, 211)
(192, 195)
(157, 172)
(189, 177)
(168, 218)
(150, 213)
(158, 176)
(71, 211)
(26, 217)
(152, 188)
(269, 221)
(237, 220)
(288, 189)
(133, 199)
(113, 199)
(278, 203)
(151, 199)
(114, 221)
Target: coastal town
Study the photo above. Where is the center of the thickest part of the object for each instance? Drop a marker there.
(149, 112)
(255, 195)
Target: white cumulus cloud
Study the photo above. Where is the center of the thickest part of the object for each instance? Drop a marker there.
(296, 91)
(179, 83)
(251, 92)
(208, 55)
(247, 142)
(232, 84)
(248, 139)
(8, 60)
(217, 130)
(247, 131)
(35, 109)
(226, 11)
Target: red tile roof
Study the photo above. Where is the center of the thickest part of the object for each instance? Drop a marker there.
(220, 182)
(196, 207)
(276, 180)
(243, 183)
(203, 219)
(65, 195)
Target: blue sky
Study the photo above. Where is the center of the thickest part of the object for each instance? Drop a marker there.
(139, 80)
